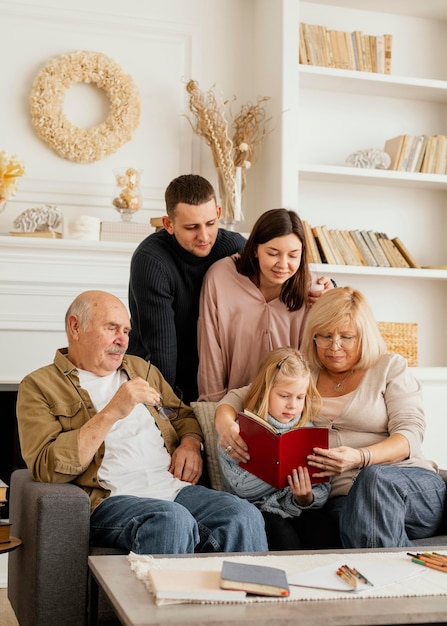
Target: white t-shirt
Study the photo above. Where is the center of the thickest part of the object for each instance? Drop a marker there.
(136, 461)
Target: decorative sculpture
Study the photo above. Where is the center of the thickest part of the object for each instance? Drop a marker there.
(371, 158)
(47, 218)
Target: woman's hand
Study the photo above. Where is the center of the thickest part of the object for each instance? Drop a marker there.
(324, 284)
(229, 438)
(335, 460)
(300, 486)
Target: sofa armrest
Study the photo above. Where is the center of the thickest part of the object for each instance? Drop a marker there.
(47, 574)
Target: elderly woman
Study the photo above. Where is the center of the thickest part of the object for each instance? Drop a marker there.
(384, 492)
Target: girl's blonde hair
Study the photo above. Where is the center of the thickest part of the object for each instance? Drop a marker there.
(277, 365)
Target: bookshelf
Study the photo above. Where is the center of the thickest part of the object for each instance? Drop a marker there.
(326, 114)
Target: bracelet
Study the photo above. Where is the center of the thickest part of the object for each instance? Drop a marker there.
(195, 439)
(366, 457)
(362, 458)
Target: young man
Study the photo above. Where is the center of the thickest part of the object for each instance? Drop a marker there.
(166, 275)
(112, 425)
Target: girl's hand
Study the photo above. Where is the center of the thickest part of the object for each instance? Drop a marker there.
(300, 486)
(334, 461)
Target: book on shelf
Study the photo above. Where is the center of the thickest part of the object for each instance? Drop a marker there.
(303, 53)
(395, 147)
(375, 248)
(407, 153)
(323, 245)
(405, 253)
(417, 153)
(388, 43)
(274, 455)
(319, 45)
(392, 254)
(366, 253)
(380, 54)
(261, 580)
(313, 255)
(441, 155)
(349, 256)
(337, 255)
(177, 586)
(428, 165)
(357, 256)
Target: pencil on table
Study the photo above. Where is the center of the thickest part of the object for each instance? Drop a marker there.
(430, 565)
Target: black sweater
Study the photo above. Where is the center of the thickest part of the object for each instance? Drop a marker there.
(164, 291)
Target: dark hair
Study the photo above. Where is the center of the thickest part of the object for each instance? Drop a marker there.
(271, 224)
(190, 189)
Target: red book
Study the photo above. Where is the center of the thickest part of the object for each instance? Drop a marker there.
(274, 455)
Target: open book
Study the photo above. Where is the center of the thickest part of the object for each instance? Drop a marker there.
(273, 455)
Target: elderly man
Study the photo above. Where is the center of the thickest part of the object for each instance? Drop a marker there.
(110, 423)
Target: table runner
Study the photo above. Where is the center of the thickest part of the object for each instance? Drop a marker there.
(428, 583)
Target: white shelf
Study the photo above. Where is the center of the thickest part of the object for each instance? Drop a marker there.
(345, 174)
(390, 272)
(372, 84)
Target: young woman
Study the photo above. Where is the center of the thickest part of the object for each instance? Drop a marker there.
(282, 393)
(253, 303)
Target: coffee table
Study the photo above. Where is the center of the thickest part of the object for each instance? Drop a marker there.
(134, 605)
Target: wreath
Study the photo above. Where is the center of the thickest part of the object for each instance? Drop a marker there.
(47, 106)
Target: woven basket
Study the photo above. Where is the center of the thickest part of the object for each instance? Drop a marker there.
(402, 338)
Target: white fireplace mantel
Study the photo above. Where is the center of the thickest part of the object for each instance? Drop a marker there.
(39, 278)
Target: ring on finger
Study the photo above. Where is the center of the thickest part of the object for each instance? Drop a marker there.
(228, 448)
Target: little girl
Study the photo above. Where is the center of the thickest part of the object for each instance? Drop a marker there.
(284, 394)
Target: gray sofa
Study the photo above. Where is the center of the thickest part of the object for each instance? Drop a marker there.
(48, 573)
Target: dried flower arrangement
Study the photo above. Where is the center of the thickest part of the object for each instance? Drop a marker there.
(47, 106)
(233, 145)
(11, 168)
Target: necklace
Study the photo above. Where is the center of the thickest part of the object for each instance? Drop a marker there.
(339, 386)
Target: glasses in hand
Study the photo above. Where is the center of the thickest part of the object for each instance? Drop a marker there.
(165, 412)
(344, 342)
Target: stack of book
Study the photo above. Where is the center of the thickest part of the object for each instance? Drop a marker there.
(418, 153)
(319, 45)
(355, 247)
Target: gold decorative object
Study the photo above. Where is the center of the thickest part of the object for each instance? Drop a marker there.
(11, 168)
(235, 144)
(47, 106)
(127, 199)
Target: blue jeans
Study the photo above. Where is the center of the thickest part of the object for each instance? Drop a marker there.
(199, 520)
(388, 506)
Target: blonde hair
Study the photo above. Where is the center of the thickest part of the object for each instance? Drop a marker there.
(337, 308)
(277, 365)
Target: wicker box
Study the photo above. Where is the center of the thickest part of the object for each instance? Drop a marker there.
(132, 232)
(401, 337)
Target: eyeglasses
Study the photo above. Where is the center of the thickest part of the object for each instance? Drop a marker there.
(344, 342)
(166, 412)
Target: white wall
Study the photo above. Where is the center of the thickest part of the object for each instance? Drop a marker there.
(161, 45)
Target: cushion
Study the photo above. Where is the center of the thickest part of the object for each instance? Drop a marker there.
(204, 411)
